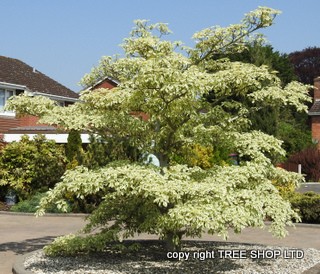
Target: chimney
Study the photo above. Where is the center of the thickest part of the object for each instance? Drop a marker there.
(316, 93)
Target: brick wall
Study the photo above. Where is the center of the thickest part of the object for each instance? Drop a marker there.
(28, 120)
(316, 94)
(315, 120)
(315, 127)
(105, 84)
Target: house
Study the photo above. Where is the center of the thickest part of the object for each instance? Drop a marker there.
(314, 111)
(106, 82)
(110, 83)
(17, 77)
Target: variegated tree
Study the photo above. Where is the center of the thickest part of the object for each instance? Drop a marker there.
(168, 82)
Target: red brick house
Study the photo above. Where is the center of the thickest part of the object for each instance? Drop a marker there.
(107, 82)
(314, 111)
(17, 77)
(110, 83)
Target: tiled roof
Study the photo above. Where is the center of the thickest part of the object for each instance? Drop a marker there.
(14, 71)
(315, 109)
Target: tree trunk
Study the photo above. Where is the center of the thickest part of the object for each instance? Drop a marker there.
(163, 159)
(173, 240)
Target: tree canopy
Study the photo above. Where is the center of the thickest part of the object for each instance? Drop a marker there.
(169, 82)
(259, 52)
(306, 64)
(282, 122)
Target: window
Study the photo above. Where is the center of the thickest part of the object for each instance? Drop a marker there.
(5, 94)
(60, 103)
(2, 99)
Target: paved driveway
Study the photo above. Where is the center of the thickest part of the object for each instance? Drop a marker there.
(20, 234)
(309, 187)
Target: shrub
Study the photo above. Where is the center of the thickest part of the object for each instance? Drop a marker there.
(308, 206)
(30, 166)
(309, 159)
(284, 188)
(73, 150)
(202, 156)
(2, 143)
(85, 205)
(101, 151)
(98, 153)
(3, 189)
(31, 205)
(294, 137)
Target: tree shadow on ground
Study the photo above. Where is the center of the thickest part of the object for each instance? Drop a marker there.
(26, 246)
(149, 258)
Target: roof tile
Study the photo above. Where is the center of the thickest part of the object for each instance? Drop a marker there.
(315, 109)
(15, 71)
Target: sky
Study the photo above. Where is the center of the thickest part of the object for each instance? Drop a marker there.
(64, 39)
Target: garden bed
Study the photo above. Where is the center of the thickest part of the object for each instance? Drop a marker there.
(204, 257)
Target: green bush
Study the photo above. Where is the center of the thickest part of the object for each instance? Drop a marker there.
(101, 151)
(204, 157)
(308, 206)
(98, 153)
(2, 144)
(3, 189)
(295, 137)
(31, 204)
(73, 149)
(31, 166)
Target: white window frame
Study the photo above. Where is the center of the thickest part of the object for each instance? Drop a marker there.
(6, 97)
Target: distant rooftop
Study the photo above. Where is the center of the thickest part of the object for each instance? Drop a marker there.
(14, 71)
(315, 109)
